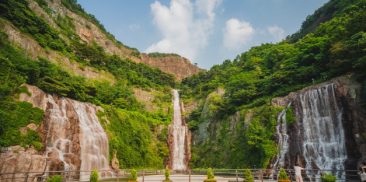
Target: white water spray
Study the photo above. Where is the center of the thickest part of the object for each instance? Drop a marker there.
(179, 136)
(323, 135)
(282, 135)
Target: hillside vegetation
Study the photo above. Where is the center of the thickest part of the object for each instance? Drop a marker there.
(331, 42)
(138, 135)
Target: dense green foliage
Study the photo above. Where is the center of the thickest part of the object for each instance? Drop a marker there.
(282, 175)
(248, 177)
(13, 114)
(136, 137)
(290, 116)
(94, 176)
(55, 178)
(336, 47)
(52, 79)
(23, 18)
(323, 14)
(328, 178)
(134, 73)
(133, 175)
(234, 140)
(132, 130)
(158, 54)
(210, 174)
(320, 51)
(167, 175)
(138, 74)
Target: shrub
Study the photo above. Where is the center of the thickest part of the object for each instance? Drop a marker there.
(133, 176)
(248, 177)
(282, 175)
(56, 178)
(167, 175)
(328, 178)
(210, 176)
(94, 176)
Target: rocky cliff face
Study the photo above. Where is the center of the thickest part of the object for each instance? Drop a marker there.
(329, 130)
(91, 33)
(178, 66)
(73, 138)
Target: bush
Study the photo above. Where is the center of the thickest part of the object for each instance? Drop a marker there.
(56, 178)
(167, 175)
(328, 178)
(94, 176)
(248, 177)
(210, 176)
(133, 175)
(282, 175)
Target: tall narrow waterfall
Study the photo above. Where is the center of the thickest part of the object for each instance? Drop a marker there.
(323, 134)
(179, 132)
(282, 140)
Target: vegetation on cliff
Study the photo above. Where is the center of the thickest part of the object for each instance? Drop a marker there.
(330, 43)
(234, 129)
(138, 134)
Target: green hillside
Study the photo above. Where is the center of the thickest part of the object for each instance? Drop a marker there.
(234, 122)
(332, 42)
(132, 128)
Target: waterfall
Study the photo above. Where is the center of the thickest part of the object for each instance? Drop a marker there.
(179, 132)
(59, 142)
(323, 135)
(75, 140)
(93, 140)
(282, 135)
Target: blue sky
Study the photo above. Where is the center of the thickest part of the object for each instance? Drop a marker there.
(205, 31)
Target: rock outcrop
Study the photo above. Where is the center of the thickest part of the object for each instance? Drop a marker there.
(72, 134)
(334, 104)
(91, 33)
(176, 65)
(17, 159)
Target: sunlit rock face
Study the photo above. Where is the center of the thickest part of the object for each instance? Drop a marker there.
(17, 159)
(73, 137)
(329, 122)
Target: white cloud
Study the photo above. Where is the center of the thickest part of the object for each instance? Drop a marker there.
(276, 32)
(237, 33)
(185, 26)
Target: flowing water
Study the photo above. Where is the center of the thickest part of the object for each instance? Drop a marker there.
(323, 135)
(74, 136)
(282, 135)
(93, 140)
(180, 131)
(59, 141)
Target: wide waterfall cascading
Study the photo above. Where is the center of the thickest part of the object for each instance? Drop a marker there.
(282, 135)
(179, 136)
(75, 140)
(58, 137)
(93, 142)
(323, 134)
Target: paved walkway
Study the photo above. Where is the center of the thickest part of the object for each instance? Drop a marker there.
(185, 178)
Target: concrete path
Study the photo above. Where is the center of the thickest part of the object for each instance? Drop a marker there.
(184, 178)
(194, 178)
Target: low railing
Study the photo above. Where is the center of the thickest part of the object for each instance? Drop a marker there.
(233, 175)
